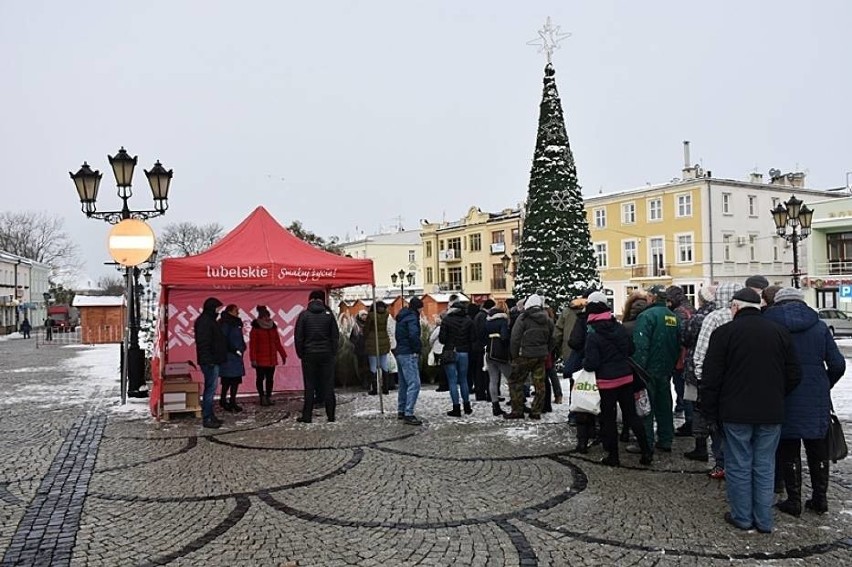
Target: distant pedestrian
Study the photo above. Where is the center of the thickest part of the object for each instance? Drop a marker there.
(497, 357)
(359, 346)
(211, 350)
(677, 301)
(26, 328)
(749, 369)
(477, 362)
(48, 329)
(408, 348)
(264, 350)
(457, 336)
(377, 343)
(233, 369)
(317, 336)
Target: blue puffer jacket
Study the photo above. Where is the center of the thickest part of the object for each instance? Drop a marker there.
(806, 408)
(408, 332)
(232, 328)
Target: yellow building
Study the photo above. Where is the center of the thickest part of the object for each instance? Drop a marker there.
(691, 232)
(471, 255)
(390, 253)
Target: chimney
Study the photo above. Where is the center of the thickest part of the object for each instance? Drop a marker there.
(755, 177)
(688, 170)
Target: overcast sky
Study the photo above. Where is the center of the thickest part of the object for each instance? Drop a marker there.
(347, 114)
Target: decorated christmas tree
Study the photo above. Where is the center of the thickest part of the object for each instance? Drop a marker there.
(556, 255)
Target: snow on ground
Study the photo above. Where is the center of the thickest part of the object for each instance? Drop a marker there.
(97, 370)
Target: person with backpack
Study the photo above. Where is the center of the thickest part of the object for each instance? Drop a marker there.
(530, 343)
(497, 358)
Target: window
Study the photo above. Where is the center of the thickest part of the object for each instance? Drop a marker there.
(476, 272)
(726, 247)
(443, 274)
(776, 253)
(629, 253)
(655, 209)
(775, 202)
(429, 276)
(475, 242)
(689, 292)
(516, 236)
(498, 237)
(600, 218)
(726, 204)
(628, 213)
(657, 258)
(752, 247)
(411, 256)
(684, 205)
(600, 254)
(752, 205)
(455, 280)
(684, 248)
(455, 245)
(498, 277)
(429, 249)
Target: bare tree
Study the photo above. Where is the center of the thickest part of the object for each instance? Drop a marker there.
(187, 239)
(40, 237)
(111, 285)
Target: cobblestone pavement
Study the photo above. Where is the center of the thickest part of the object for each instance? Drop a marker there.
(84, 482)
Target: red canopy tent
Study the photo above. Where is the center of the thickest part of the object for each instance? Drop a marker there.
(258, 263)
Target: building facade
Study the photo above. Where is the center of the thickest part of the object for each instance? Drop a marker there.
(23, 283)
(390, 253)
(829, 254)
(693, 232)
(467, 256)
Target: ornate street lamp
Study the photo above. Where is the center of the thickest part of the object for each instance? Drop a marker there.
(87, 183)
(402, 277)
(796, 215)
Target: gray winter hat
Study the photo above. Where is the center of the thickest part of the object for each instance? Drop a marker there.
(789, 294)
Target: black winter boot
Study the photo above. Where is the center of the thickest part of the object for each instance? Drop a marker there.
(496, 411)
(467, 409)
(374, 380)
(582, 438)
(455, 412)
(819, 482)
(700, 451)
(792, 474)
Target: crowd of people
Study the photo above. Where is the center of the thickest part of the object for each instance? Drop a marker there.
(752, 368)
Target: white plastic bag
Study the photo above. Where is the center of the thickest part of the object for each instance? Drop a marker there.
(392, 366)
(584, 394)
(643, 403)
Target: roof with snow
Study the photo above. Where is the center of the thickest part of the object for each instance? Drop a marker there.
(98, 301)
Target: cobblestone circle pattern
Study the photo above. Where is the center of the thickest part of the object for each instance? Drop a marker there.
(84, 483)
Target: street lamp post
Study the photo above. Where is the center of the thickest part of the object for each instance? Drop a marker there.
(87, 183)
(796, 215)
(510, 263)
(403, 277)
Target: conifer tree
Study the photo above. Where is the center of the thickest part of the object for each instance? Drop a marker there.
(556, 255)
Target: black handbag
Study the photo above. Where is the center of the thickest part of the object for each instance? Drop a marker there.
(448, 356)
(497, 349)
(835, 439)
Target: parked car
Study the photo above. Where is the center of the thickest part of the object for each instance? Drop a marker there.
(839, 323)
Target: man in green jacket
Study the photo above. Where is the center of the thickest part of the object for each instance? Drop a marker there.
(657, 349)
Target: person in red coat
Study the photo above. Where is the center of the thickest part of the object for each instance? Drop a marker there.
(264, 348)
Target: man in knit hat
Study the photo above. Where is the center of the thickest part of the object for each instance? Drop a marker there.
(749, 368)
(408, 347)
(532, 340)
(316, 340)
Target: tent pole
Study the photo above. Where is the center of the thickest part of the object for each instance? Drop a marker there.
(379, 370)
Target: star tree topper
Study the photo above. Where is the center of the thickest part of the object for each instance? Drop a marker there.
(548, 38)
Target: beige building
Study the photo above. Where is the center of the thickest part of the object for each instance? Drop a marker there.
(390, 253)
(827, 268)
(471, 255)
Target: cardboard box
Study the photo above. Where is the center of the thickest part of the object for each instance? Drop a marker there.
(174, 398)
(174, 407)
(178, 369)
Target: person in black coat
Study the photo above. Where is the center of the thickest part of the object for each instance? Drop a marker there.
(477, 361)
(211, 350)
(749, 369)
(316, 341)
(606, 353)
(457, 336)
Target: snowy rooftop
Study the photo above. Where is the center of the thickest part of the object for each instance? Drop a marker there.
(98, 300)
